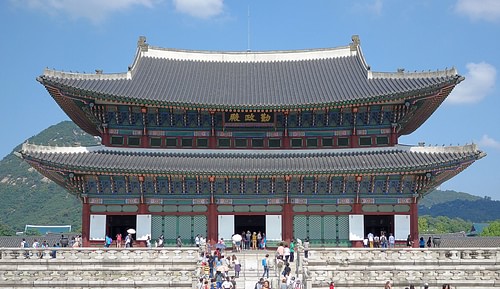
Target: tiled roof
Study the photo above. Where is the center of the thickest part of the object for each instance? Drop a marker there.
(268, 80)
(344, 161)
(462, 241)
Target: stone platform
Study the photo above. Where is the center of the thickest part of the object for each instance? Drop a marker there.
(477, 268)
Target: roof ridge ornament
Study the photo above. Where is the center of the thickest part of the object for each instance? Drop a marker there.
(141, 43)
(355, 42)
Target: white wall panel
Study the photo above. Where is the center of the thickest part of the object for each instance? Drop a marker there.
(401, 227)
(273, 228)
(97, 227)
(143, 227)
(356, 227)
(226, 227)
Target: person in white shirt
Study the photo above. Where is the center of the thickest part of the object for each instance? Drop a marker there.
(197, 240)
(227, 284)
(392, 241)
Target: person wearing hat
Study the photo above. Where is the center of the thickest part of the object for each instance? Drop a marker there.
(426, 286)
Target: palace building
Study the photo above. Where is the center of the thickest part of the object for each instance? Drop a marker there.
(293, 144)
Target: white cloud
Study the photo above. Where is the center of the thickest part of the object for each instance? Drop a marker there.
(200, 8)
(488, 10)
(94, 10)
(487, 141)
(479, 82)
(372, 7)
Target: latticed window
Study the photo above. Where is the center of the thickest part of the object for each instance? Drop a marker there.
(322, 185)
(120, 186)
(190, 186)
(234, 186)
(264, 186)
(162, 185)
(338, 185)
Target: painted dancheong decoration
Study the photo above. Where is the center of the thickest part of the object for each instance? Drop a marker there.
(293, 144)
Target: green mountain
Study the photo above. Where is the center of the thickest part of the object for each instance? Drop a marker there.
(30, 198)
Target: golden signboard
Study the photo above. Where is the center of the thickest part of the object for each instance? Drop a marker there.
(242, 119)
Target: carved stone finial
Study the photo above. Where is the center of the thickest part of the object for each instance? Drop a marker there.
(141, 43)
(355, 42)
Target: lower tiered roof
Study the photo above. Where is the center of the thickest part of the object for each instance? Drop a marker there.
(398, 159)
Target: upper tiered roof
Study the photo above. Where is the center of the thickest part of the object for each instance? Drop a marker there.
(250, 80)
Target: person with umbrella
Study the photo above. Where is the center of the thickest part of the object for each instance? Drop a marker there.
(237, 242)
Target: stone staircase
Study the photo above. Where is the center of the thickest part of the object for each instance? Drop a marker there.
(252, 270)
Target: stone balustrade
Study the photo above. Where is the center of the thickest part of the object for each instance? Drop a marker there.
(98, 268)
(370, 268)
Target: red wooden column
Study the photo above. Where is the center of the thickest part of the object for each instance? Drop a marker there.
(287, 222)
(212, 140)
(212, 220)
(414, 223)
(286, 139)
(85, 222)
(354, 137)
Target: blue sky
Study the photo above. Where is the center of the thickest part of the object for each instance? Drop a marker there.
(74, 35)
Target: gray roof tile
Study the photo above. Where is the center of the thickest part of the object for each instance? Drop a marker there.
(367, 160)
(207, 79)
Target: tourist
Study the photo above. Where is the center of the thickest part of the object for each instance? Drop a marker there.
(332, 285)
(266, 285)
(237, 266)
(365, 242)
(107, 241)
(388, 285)
(446, 286)
(409, 241)
(392, 241)
(119, 240)
(376, 241)
(283, 284)
(179, 241)
(279, 265)
(292, 250)
(370, 239)
(263, 241)
(265, 264)
(259, 284)
(233, 280)
(128, 241)
(197, 240)
(426, 286)
(412, 286)
(383, 241)
(64, 241)
(280, 251)
(148, 241)
(254, 241)
(259, 239)
(306, 248)
(421, 243)
(286, 253)
(227, 284)
(287, 270)
(160, 241)
(248, 238)
(429, 242)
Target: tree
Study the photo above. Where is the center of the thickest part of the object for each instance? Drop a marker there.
(6, 230)
(492, 230)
